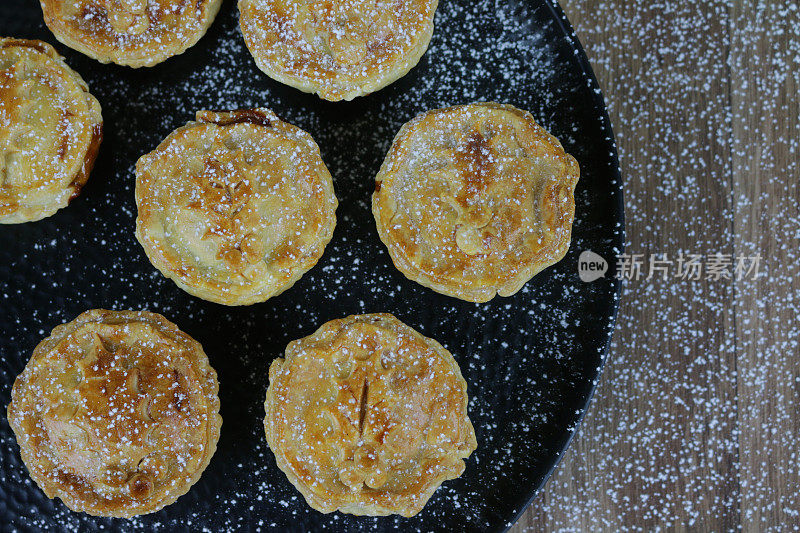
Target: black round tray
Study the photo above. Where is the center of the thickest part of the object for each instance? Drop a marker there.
(530, 361)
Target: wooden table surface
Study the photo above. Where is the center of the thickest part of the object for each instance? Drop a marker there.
(695, 421)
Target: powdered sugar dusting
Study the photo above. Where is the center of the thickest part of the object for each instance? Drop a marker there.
(695, 424)
(235, 207)
(130, 32)
(338, 49)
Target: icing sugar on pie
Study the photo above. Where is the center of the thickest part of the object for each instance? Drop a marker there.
(366, 416)
(474, 200)
(338, 49)
(50, 131)
(136, 33)
(116, 413)
(235, 207)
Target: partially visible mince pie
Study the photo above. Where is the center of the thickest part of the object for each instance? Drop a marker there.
(50, 131)
(135, 33)
(474, 200)
(116, 413)
(338, 49)
(236, 206)
(366, 416)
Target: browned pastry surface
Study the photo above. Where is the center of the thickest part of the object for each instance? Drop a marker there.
(50, 131)
(338, 49)
(474, 200)
(235, 207)
(368, 417)
(116, 413)
(135, 33)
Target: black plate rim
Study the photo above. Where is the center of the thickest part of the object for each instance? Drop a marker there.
(565, 26)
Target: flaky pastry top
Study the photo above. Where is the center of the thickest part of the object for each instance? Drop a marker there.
(338, 49)
(50, 131)
(236, 206)
(135, 33)
(474, 200)
(368, 417)
(116, 413)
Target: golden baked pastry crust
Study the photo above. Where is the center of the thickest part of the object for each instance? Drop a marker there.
(235, 207)
(136, 33)
(366, 416)
(50, 131)
(116, 413)
(338, 49)
(475, 200)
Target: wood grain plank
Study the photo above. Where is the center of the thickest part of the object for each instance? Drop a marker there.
(765, 61)
(658, 447)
